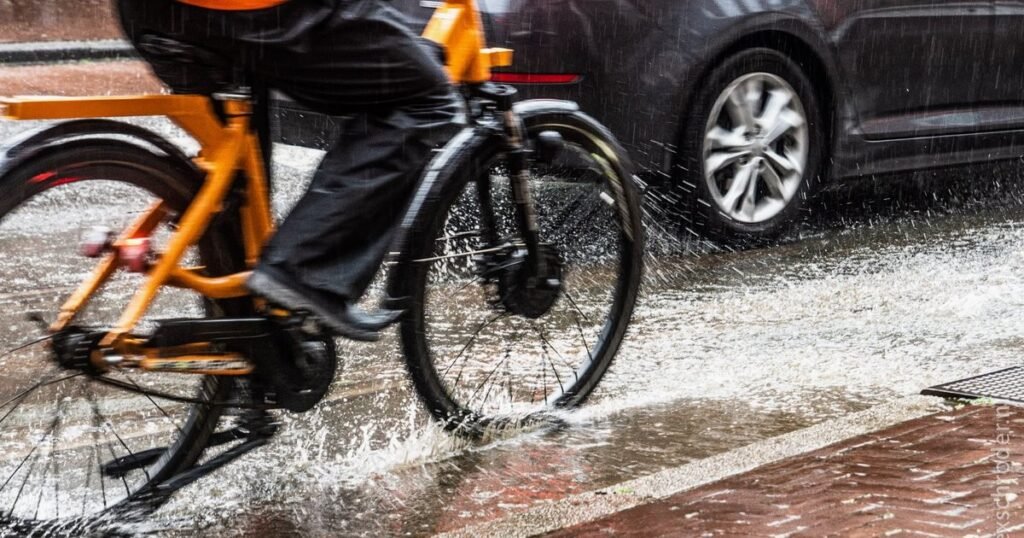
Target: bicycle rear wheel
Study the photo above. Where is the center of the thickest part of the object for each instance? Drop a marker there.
(61, 430)
(483, 349)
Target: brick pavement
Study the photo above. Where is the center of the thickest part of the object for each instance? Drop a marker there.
(949, 474)
(49, 20)
(81, 78)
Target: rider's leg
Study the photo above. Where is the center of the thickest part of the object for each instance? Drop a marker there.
(371, 67)
(327, 251)
(336, 235)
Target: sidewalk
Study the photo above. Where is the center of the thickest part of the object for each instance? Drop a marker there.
(116, 77)
(948, 474)
(899, 469)
(55, 20)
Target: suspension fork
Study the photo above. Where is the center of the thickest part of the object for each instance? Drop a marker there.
(488, 228)
(519, 177)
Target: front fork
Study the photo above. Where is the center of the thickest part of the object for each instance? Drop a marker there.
(519, 177)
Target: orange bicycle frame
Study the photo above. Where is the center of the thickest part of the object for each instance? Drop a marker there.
(227, 147)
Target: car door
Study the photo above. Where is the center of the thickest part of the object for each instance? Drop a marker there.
(1004, 74)
(911, 66)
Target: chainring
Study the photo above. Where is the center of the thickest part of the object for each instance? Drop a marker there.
(297, 371)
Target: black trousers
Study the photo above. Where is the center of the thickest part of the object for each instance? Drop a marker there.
(353, 58)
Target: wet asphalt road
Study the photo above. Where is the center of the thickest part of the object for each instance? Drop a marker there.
(895, 286)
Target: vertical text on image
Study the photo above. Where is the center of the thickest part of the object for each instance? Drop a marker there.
(1006, 479)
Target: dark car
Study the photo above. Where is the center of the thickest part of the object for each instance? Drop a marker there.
(738, 107)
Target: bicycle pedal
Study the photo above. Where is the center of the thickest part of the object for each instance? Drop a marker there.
(120, 467)
(302, 320)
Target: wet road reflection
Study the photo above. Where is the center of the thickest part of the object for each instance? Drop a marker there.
(877, 300)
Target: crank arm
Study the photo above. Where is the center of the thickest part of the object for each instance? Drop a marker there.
(120, 467)
(199, 471)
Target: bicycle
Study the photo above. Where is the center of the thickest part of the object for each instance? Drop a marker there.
(517, 266)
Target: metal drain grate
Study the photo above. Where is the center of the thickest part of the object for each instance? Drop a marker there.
(1005, 384)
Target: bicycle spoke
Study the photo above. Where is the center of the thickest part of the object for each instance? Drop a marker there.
(96, 426)
(544, 379)
(21, 489)
(152, 401)
(18, 468)
(476, 333)
(543, 336)
(97, 420)
(459, 235)
(25, 345)
(488, 378)
(103, 485)
(583, 338)
(554, 370)
(574, 305)
(110, 448)
(57, 421)
(474, 280)
(489, 250)
(56, 499)
(88, 477)
(508, 382)
(125, 445)
(504, 362)
(23, 394)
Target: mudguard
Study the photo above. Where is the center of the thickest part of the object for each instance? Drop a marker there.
(461, 160)
(454, 165)
(43, 141)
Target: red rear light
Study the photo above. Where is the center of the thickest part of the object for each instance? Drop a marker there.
(535, 78)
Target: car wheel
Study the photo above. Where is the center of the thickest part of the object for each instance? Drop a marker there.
(751, 149)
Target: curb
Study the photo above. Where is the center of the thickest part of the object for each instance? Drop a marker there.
(64, 51)
(586, 507)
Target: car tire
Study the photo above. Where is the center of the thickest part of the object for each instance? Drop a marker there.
(751, 149)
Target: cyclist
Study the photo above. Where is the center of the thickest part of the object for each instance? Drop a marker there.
(351, 58)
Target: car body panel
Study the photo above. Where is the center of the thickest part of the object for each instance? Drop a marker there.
(891, 50)
(640, 63)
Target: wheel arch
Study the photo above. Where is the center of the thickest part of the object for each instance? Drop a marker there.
(799, 43)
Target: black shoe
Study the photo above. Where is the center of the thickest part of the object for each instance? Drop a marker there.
(344, 319)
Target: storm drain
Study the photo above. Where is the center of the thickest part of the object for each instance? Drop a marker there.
(1005, 384)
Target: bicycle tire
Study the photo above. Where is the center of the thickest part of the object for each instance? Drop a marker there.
(124, 168)
(475, 152)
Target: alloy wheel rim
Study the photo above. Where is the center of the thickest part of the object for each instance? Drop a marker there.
(755, 147)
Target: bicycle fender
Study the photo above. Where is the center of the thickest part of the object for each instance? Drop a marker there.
(535, 107)
(457, 163)
(461, 160)
(43, 141)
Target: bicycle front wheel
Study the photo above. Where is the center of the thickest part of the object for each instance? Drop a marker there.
(485, 347)
(72, 447)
